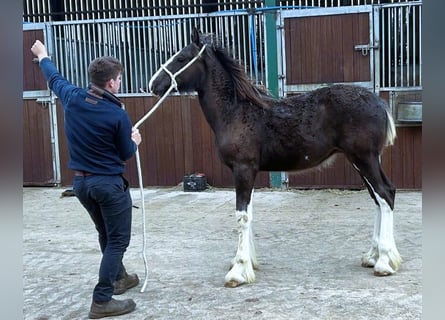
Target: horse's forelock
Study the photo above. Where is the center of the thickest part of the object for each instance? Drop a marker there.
(209, 39)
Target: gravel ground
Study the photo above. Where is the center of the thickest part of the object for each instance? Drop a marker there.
(309, 244)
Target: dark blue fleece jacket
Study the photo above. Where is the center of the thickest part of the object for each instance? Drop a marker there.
(97, 129)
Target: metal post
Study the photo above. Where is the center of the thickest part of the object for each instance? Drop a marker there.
(49, 39)
(272, 68)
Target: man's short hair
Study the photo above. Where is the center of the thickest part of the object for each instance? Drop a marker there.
(104, 69)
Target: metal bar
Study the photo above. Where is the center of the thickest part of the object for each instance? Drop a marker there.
(413, 22)
(222, 29)
(156, 40)
(408, 46)
(375, 53)
(388, 51)
(260, 48)
(84, 53)
(131, 54)
(90, 44)
(71, 60)
(100, 43)
(57, 50)
(270, 25)
(395, 43)
(54, 139)
(420, 46)
(139, 50)
(94, 43)
(146, 54)
(401, 46)
(151, 51)
(383, 48)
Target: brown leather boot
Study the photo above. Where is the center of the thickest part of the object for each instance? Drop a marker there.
(127, 282)
(111, 308)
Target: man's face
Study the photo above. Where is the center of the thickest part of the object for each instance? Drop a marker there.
(115, 84)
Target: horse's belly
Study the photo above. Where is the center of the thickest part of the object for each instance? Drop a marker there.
(291, 163)
(296, 160)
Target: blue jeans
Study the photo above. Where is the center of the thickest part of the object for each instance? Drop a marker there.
(108, 201)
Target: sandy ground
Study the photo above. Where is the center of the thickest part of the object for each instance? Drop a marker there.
(309, 245)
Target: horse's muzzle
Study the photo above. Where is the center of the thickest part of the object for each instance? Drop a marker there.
(159, 85)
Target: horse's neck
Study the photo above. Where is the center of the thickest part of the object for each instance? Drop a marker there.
(210, 108)
(215, 103)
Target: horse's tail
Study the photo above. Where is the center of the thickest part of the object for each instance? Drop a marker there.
(390, 128)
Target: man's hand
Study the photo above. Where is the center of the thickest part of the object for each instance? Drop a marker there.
(136, 136)
(39, 50)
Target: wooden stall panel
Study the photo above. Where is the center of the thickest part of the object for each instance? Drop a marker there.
(320, 49)
(32, 76)
(403, 161)
(37, 149)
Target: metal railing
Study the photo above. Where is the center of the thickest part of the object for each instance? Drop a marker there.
(47, 10)
(63, 10)
(142, 44)
(336, 3)
(400, 37)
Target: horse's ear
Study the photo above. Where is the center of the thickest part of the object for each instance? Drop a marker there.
(195, 36)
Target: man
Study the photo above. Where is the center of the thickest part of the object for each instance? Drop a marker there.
(100, 138)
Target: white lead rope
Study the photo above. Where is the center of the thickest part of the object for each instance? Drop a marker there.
(173, 85)
(138, 162)
(141, 186)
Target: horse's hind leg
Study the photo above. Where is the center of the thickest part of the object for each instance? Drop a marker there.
(242, 266)
(383, 255)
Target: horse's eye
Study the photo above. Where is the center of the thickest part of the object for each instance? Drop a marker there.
(181, 58)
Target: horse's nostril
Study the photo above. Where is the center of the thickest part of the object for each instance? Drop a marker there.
(152, 88)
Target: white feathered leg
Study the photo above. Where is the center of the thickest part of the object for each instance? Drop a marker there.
(369, 259)
(389, 259)
(245, 259)
(383, 255)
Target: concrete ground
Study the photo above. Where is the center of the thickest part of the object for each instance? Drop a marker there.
(309, 245)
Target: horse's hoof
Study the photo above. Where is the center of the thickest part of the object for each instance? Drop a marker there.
(232, 284)
(367, 264)
(383, 269)
(382, 273)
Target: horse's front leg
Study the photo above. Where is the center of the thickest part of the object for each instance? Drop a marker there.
(242, 266)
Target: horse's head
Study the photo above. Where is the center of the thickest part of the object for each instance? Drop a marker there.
(183, 70)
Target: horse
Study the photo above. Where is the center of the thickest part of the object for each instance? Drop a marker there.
(256, 132)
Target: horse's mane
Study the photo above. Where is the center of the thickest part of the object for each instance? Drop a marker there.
(245, 90)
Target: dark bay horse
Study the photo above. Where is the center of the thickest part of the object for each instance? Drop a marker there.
(255, 132)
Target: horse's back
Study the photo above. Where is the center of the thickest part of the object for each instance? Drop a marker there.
(339, 99)
(304, 130)
(358, 117)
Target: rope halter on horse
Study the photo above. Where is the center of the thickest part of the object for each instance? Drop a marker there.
(173, 76)
(173, 85)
